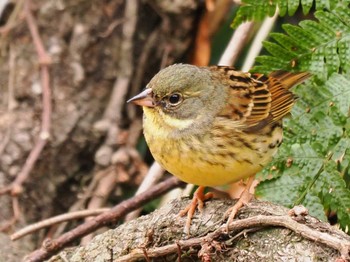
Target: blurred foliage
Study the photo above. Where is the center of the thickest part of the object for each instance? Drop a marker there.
(312, 165)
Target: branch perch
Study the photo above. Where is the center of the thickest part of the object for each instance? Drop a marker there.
(259, 227)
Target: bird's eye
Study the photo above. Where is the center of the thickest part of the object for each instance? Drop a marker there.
(175, 99)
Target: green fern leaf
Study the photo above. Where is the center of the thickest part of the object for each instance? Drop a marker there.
(315, 206)
(258, 10)
(322, 4)
(343, 12)
(306, 5)
(319, 32)
(322, 47)
(277, 50)
(254, 10)
(334, 194)
(331, 20)
(312, 165)
(289, 43)
(344, 53)
(292, 7)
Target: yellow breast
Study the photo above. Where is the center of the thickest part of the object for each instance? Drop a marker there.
(218, 156)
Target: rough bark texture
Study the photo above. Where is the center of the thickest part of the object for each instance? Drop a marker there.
(163, 227)
(90, 52)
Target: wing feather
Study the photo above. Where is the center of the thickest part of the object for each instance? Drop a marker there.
(257, 101)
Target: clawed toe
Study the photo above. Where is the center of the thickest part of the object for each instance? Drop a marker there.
(197, 202)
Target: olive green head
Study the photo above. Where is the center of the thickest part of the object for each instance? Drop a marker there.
(185, 91)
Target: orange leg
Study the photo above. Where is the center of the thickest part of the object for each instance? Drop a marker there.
(197, 201)
(243, 200)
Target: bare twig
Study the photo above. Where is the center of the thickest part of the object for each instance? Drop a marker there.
(237, 225)
(104, 188)
(257, 42)
(142, 63)
(236, 44)
(111, 27)
(55, 220)
(53, 246)
(15, 217)
(11, 21)
(11, 101)
(2, 6)
(113, 111)
(15, 187)
(87, 193)
(154, 174)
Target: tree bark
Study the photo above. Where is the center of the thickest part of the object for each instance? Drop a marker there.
(258, 234)
(94, 46)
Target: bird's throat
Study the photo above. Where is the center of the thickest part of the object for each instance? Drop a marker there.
(165, 122)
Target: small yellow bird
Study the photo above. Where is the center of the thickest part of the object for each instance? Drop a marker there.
(211, 126)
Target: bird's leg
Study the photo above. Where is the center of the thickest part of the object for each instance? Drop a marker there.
(243, 200)
(197, 201)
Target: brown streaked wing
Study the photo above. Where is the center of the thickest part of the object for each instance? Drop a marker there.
(262, 101)
(240, 102)
(250, 100)
(279, 83)
(259, 101)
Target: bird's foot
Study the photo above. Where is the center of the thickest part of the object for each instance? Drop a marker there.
(244, 199)
(197, 202)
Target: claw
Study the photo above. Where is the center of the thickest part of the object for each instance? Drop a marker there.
(243, 200)
(197, 202)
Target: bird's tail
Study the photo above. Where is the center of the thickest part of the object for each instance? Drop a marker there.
(279, 83)
(286, 79)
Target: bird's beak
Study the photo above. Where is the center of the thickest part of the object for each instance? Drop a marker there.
(143, 99)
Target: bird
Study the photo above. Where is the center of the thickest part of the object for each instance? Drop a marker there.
(215, 125)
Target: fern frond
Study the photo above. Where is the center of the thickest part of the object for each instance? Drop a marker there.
(315, 155)
(321, 48)
(258, 10)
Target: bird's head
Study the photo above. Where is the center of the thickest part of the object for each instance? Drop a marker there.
(181, 92)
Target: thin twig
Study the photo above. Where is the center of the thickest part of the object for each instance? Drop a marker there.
(154, 174)
(236, 44)
(111, 27)
(11, 103)
(237, 225)
(83, 198)
(113, 111)
(256, 46)
(16, 214)
(55, 220)
(44, 60)
(10, 23)
(141, 67)
(102, 220)
(117, 101)
(104, 188)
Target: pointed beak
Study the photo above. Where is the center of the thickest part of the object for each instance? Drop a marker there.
(143, 99)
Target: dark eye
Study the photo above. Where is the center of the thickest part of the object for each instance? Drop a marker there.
(175, 99)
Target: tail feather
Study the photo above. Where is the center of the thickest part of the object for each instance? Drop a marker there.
(288, 79)
(279, 83)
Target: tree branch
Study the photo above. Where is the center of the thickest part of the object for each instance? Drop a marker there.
(51, 247)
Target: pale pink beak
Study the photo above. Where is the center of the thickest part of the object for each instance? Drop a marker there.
(143, 99)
